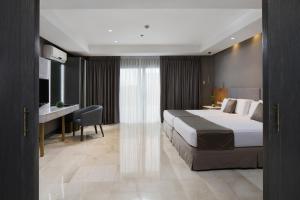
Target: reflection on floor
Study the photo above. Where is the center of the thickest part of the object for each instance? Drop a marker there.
(134, 162)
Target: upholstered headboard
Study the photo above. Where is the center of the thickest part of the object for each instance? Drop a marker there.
(245, 93)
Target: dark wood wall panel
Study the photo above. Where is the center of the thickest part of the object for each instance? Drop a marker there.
(19, 47)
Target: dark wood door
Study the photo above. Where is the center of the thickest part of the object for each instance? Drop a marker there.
(19, 44)
(281, 32)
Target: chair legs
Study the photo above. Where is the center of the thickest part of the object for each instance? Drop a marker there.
(96, 129)
(81, 137)
(81, 130)
(101, 130)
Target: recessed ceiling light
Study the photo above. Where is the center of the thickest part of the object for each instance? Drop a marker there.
(142, 35)
(232, 38)
(147, 26)
(109, 30)
(116, 41)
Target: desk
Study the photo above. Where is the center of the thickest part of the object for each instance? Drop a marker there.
(47, 114)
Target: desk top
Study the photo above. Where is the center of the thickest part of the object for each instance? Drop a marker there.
(48, 113)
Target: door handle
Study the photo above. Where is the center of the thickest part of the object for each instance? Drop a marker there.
(25, 121)
(276, 111)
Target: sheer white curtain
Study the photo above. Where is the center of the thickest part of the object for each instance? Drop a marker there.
(139, 90)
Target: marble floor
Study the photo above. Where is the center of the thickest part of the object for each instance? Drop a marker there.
(134, 162)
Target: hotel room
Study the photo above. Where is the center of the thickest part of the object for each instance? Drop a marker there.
(158, 81)
(139, 100)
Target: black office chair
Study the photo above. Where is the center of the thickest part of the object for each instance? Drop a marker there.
(89, 116)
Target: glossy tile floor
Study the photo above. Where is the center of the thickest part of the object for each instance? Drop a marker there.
(134, 162)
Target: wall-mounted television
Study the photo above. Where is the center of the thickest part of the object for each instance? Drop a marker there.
(44, 92)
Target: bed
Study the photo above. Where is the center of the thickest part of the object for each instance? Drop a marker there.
(237, 140)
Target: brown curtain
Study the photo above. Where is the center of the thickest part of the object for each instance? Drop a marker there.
(102, 86)
(180, 82)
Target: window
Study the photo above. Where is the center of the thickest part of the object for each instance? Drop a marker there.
(139, 90)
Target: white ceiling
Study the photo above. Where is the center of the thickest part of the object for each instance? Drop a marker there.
(153, 4)
(202, 26)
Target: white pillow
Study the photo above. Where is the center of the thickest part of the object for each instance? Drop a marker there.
(252, 108)
(242, 106)
(225, 101)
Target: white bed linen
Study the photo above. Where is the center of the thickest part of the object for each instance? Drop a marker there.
(247, 132)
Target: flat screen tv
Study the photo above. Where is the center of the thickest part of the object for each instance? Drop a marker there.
(44, 92)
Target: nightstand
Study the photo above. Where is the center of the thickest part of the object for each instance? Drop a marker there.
(211, 107)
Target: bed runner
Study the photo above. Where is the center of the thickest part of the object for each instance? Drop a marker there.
(180, 113)
(210, 136)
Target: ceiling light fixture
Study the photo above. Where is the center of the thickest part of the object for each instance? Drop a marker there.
(232, 38)
(147, 26)
(116, 41)
(109, 30)
(142, 35)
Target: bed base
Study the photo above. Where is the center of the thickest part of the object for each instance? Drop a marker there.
(168, 129)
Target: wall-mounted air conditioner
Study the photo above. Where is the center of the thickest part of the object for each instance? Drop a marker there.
(53, 53)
